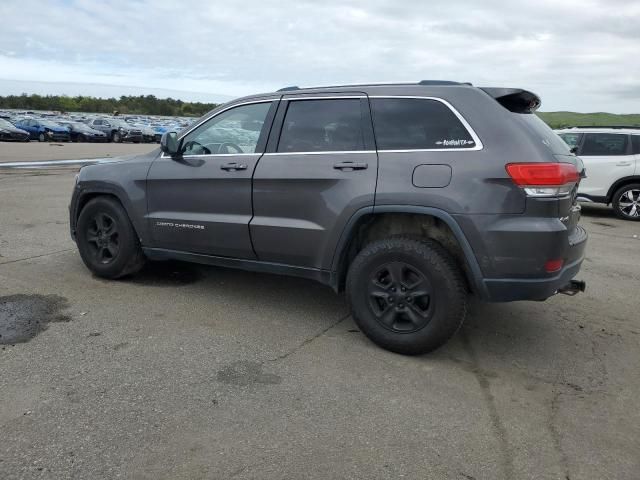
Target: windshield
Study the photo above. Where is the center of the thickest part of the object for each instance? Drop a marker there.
(116, 122)
(5, 124)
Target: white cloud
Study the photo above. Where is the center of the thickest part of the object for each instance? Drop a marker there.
(578, 55)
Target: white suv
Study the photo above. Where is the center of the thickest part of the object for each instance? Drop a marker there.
(611, 156)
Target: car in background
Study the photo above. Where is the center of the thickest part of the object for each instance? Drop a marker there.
(81, 132)
(148, 134)
(116, 130)
(611, 156)
(44, 130)
(9, 132)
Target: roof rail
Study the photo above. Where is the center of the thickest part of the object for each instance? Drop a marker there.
(441, 82)
(374, 84)
(632, 127)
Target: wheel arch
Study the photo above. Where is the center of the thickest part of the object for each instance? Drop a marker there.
(86, 195)
(621, 183)
(371, 221)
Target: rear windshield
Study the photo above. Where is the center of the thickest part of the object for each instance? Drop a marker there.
(543, 132)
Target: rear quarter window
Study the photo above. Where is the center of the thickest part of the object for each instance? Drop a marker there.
(635, 143)
(418, 124)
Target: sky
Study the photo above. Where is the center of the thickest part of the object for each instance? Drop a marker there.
(578, 55)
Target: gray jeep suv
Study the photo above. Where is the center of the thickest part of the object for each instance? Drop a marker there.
(406, 196)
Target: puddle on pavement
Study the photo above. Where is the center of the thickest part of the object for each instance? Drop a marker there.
(245, 373)
(22, 317)
(167, 274)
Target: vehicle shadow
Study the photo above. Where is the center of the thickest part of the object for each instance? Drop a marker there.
(597, 211)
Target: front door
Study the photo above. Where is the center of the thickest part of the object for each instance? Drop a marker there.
(200, 201)
(320, 167)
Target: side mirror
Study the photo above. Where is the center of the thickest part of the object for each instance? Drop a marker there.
(169, 143)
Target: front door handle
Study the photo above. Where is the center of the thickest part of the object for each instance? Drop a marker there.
(349, 166)
(233, 167)
(623, 164)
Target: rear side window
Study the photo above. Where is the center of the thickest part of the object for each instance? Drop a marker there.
(417, 124)
(605, 144)
(571, 139)
(322, 126)
(635, 143)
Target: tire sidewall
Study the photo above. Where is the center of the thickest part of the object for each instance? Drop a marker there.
(448, 295)
(128, 242)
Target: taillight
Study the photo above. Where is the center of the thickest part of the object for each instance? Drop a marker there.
(544, 179)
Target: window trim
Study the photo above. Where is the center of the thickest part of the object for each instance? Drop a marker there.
(202, 122)
(472, 133)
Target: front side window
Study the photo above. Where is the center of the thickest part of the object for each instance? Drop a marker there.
(322, 126)
(417, 124)
(571, 139)
(604, 144)
(234, 131)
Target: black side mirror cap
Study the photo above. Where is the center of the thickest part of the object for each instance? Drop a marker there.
(169, 143)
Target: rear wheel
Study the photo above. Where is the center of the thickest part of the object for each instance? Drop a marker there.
(626, 202)
(406, 295)
(107, 242)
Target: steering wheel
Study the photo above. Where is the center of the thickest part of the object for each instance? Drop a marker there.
(224, 148)
(192, 143)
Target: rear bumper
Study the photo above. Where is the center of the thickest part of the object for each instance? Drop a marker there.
(512, 289)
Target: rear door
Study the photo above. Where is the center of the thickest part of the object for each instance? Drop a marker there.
(201, 201)
(320, 167)
(607, 157)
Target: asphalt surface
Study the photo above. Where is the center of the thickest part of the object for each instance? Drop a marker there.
(36, 151)
(192, 372)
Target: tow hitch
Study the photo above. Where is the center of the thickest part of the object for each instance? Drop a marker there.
(573, 287)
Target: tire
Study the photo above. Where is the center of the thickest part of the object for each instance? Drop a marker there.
(626, 202)
(80, 138)
(41, 137)
(106, 239)
(417, 320)
(115, 137)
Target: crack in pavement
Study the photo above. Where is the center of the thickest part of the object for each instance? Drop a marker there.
(496, 421)
(309, 340)
(36, 256)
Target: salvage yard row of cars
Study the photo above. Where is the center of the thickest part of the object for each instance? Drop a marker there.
(45, 127)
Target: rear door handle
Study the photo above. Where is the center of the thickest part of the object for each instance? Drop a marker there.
(349, 166)
(233, 167)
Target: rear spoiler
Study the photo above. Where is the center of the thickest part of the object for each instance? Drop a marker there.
(514, 99)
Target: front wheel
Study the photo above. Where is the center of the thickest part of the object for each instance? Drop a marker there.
(42, 137)
(115, 137)
(626, 202)
(107, 242)
(407, 295)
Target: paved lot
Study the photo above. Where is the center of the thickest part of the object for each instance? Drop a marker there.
(191, 372)
(35, 151)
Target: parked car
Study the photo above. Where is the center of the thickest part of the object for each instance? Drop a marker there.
(9, 132)
(117, 130)
(44, 130)
(390, 193)
(148, 134)
(81, 132)
(612, 159)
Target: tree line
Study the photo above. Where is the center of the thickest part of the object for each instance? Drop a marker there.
(141, 105)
